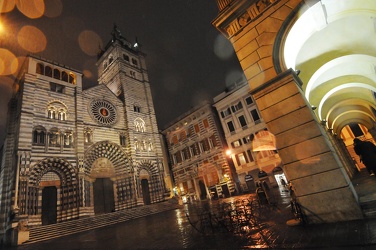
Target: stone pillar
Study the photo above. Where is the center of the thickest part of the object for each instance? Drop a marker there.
(372, 131)
(310, 162)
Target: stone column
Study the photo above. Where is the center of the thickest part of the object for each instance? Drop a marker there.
(372, 131)
(310, 162)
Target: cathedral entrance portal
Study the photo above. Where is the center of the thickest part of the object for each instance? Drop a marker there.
(145, 191)
(103, 196)
(49, 208)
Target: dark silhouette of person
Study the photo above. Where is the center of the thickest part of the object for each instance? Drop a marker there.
(367, 152)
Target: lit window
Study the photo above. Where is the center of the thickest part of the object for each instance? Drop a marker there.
(54, 137)
(72, 78)
(240, 159)
(139, 125)
(68, 139)
(88, 135)
(206, 123)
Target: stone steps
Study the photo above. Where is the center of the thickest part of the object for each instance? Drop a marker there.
(42, 233)
(368, 205)
(365, 186)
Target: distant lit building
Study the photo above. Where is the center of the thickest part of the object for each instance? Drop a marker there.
(71, 153)
(251, 146)
(197, 155)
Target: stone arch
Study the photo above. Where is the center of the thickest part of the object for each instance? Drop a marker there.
(148, 166)
(67, 200)
(64, 169)
(113, 152)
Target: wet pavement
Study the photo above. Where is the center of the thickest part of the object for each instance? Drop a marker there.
(172, 230)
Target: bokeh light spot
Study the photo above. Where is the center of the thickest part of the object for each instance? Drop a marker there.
(233, 76)
(20, 60)
(8, 62)
(87, 73)
(223, 48)
(32, 39)
(90, 42)
(7, 5)
(53, 8)
(31, 8)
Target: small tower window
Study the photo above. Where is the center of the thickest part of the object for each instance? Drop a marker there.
(139, 125)
(40, 69)
(123, 141)
(54, 137)
(68, 139)
(39, 135)
(88, 136)
(137, 109)
(72, 78)
(48, 71)
(57, 74)
(64, 76)
(126, 58)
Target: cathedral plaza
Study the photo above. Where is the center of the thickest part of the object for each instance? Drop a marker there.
(268, 163)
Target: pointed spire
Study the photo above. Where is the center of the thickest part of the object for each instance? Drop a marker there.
(116, 35)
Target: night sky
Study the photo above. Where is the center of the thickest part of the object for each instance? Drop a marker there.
(188, 60)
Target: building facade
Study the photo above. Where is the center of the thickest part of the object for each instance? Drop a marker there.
(308, 93)
(71, 153)
(245, 133)
(197, 155)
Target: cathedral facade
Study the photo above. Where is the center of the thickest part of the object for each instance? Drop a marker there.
(71, 153)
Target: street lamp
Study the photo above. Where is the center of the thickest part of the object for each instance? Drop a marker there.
(228, 153)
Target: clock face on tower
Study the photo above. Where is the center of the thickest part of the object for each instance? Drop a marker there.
(103, 112)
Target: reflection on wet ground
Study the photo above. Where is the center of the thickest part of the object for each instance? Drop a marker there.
(167, 230)
(172, 230)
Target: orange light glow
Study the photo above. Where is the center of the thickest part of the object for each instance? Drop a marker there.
(32, 39)
(31, 8)
(8, 62)
(89, 42)
(7, 5)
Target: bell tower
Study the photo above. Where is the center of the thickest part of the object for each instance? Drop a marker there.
(122, 68)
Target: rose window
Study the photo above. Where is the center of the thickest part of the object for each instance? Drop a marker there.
(103, 112)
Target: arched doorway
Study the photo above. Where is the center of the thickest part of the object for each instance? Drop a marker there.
(103, 188)
(49, 205)
(103, 196)
(145, 191)
(109, 176)
(50, 191)
(203, 193)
